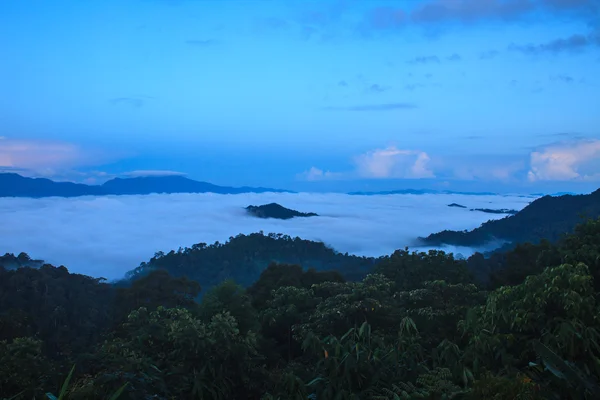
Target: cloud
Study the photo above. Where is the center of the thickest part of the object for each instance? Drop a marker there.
(201, 43)
(573, 43)
(392, 162)
(385, 18)
(39, 155)
(563, 78)
(488, 55)
(470, 10)
(316, 174)
(374, 107)
(454, 57)
(143, 173)
(342, 83)
(376, 88)
(270, 24)
(425, 60)
(578, 160)
(51, 159)
(413, 86)
(108, 236)
(494, 171)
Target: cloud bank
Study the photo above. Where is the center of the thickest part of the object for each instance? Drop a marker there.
(394, 163)
(574, 160)
(107, 236)
(566, 161)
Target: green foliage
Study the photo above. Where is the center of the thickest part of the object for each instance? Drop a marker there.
(416, 327)
(231, 298)
(172, 353)
(409, 270)
(156, 289)
(244, 257)
(24, 369)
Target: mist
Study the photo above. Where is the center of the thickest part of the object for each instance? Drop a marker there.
(109, 235)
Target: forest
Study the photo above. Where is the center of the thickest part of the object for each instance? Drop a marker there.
(549, 217)
(416, 326)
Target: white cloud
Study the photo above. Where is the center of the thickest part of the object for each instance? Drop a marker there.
(566, 161)
(392, 162)
(316, 174)
(494, 169)
(37, 155)
(107, 236)
(139, 173)
(45, 158)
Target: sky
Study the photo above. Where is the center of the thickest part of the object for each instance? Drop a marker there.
(131, 229)
(321, 95)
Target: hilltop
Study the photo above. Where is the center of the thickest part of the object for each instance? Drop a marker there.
(545, 218)
(15, 185)
(274, 210)
(9, 261)
(244, 257)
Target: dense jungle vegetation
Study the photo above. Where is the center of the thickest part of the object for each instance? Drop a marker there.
(526, 325)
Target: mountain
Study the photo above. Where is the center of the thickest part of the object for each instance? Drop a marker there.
(456, 205)
(495, 211)
(545, 218)
(244, 257)
(421, 191)
(15, 185)
(9, 261)
(274, 210)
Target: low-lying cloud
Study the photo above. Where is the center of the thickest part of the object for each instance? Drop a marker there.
(107, 236)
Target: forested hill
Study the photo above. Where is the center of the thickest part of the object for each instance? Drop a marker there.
(417, 327)
(545, 218)
(244, 257)
(10, 261)
(274, 210)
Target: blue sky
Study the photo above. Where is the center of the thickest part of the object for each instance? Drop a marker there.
(321, 95)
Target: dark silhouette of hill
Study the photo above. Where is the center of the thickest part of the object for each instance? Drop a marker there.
(244, 257)
(456, 205)
(545, 218)
(495, 211)
(274, 210)
(15, 185)
(421, 191)
(9, 261)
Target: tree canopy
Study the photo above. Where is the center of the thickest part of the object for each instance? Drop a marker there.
(418, 325)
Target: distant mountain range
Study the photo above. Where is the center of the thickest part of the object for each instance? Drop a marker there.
(545, 218)
(433, 191)
(15, 185)
(421, 191)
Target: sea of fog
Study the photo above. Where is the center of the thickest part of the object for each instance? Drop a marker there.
(110, 235)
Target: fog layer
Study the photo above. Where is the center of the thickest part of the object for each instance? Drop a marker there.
(109, 235)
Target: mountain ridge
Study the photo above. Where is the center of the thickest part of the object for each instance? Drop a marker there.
(15, 185)
(277, 211)
(548, 217)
